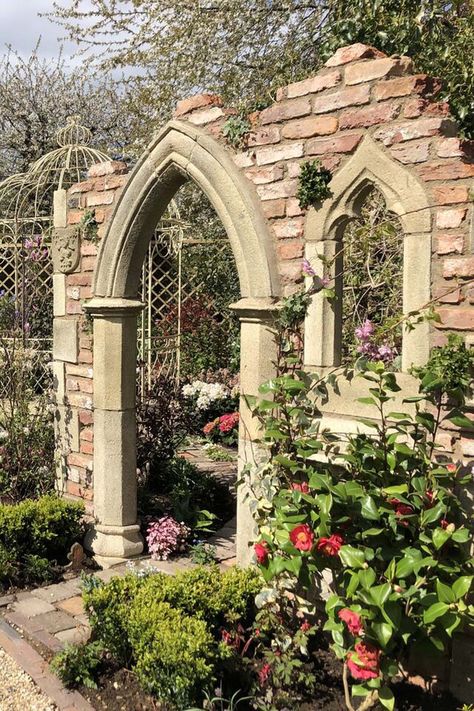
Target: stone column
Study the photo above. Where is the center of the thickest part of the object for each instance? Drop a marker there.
(116, 534)
(257, 357)
(323, 322)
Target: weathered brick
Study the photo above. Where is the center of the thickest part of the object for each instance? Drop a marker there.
(71, 385)
(73, 308)
(81, 371)
(261, 176)
(103, 198)
(281, 189)
(85, 356)
(86, 417)
(450, 148)
(288, 109)
(81, 399)
(352, 96)
(417, 107)
(293, 168)
(88, 264)
(351, 53)
(310, 86)
(446, 194)
(450, 219)
(244, 160)
(460, 319)
(286, 229)
(290, 272)
(80, 491)
(337, 144)
(203, 116)
(264, 136)
(290, 250)
(79, 460)
(74, 217)
(113, 182)
(73, 292)
(368, 116)
(420, 84)
(88, 249)
(110, 167)
(415, 129)
(467, 446)
(448, 295)
(274, 208)
(87, 434)
(84, 187)
(445, 170)
(273, 154)
(293, 208)
(411, 152)
(310, 126)
(87, 447)
(450, 243)
(458, 267)
(377, 68)
(199, 101)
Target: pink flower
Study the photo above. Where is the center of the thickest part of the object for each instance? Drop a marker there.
(364, 332)
(305, 626)
(207, 429)
(261, 552)
(165, 537)
(228, 422)
(307, 269)
(264, 674)
(352, 620)
(302, 537)
(330, 546)
(451, 467)
(367, 665)
(303, 487)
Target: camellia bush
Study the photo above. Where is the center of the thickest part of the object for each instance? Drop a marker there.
(370, 522)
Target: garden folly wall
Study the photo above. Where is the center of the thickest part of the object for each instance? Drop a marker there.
(370, 120)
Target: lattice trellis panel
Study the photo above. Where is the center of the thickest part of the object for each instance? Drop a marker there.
(181, 300)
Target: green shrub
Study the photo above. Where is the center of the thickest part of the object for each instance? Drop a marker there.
(78, 665)
(36, 534)
(168, 628)
(175, 653)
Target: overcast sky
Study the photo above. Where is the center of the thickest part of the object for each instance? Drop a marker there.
(21, 27)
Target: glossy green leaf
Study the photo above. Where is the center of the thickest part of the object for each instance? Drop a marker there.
(462, 586)
(352, 557)
(386, 698)
(435, 611)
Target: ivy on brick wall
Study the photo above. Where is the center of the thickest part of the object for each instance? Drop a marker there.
(313, 184)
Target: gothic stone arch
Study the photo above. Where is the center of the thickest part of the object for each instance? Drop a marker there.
(406, 197)
(178, 153)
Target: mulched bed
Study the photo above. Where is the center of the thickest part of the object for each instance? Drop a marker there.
(119, 690)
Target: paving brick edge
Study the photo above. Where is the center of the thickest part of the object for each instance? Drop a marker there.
(38, 669)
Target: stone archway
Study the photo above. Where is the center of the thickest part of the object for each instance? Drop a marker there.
(180, 152)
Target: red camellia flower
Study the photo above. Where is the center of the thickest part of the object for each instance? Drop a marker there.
(352, 620)
(264, 674)
(451, 467)
(303, 487)
(261, 552)
(430, 496)
(302, 537)
(331, 545)
(367, 666)
(401, 510)
(305, 626)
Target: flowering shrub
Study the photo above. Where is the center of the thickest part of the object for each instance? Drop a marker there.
(166, 537)
(378, 515)
(223, 429)
(205, 394)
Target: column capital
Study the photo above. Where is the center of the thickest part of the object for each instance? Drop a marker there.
(102, 307)
(256, 309)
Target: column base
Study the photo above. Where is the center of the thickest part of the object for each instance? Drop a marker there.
(112, 545)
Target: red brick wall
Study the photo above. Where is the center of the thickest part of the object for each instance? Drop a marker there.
(360, 91)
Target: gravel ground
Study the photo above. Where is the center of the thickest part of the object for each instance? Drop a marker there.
(18, 692)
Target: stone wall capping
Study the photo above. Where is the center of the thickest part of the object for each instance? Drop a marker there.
(112, 306)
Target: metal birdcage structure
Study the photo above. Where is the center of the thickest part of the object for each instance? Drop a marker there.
(26, 221)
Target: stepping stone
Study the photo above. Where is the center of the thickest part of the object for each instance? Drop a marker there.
(56, 621)
(33, 606)
(59, 591)
(73, 605)
(76, 635)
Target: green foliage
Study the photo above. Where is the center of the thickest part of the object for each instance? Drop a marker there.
(79, 665)
(35, 535)
(372, 275)
(175, 653)
(450, 370)
(218, 703)
(88, 226)
(236, 129)
(378, 509)
(180, 488)
(218, 454)
(167, 628)
(203, 554)
(313, 184)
